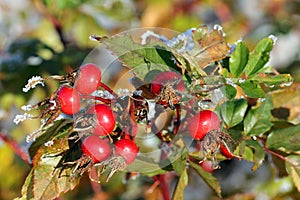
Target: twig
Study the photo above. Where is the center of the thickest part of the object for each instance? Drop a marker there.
(15, 146)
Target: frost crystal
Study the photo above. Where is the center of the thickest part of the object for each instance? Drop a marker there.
(34, 81)
(219, 28)
(274, 38)
(49, 143)
(54, 104)
(26, 107)
(21, 118)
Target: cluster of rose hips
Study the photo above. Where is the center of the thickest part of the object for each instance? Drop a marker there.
(108, 135)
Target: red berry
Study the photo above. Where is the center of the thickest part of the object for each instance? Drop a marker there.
(127, 149)
(105, 117)
(203, 122)
(88, 78)
(207, 166)
(225, 151)
(165, 77)
(69, 100)
(97, 148)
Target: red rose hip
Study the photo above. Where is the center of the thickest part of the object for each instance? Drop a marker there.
(105, 118)
(127, 149)
(202, 123)
(69, 100)
(96, 148)
(88, 78)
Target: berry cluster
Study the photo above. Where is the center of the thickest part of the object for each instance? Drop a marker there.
(106, 124)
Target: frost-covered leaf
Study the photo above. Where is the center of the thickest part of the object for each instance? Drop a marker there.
(211, 181)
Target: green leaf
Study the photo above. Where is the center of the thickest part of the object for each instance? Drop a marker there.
(146, 166)
(238, 60)
(259, 56)
(288, 138)
(141, 57)
(181, 184)
(272, 80)
(233, 111)
(259, 153)
(208, 178)
(293, 168)
(59, 128)
(257, 121)
(45, 181)
(229, 91)
(252, 89)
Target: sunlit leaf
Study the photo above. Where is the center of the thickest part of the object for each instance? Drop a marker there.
(259, 153)
(238, 59)
(293, 168)
(287, 138)
(178, 193)
(45, 181)
(233, 111)
(259, 56)
(257, 120)
(208, 178)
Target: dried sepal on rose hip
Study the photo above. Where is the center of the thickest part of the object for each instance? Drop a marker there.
(202, 123)
(165, 87)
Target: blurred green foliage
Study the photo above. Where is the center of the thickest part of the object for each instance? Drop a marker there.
(42, 37)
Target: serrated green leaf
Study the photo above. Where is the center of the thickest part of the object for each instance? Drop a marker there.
(257, 120)
(293, 168)
(181, 184)
(233, 111)
(288, 138)
(45, 181)
(259, 56)
(208, 178)
(272, 80)
(259, 153)
(238, 60)
(252, 89)
(141, 57)
(59, 128)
